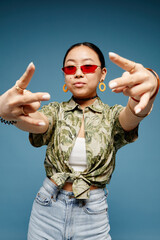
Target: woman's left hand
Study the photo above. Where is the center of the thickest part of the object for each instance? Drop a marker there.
(136, 81)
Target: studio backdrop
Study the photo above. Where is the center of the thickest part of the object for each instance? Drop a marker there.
(42, 31)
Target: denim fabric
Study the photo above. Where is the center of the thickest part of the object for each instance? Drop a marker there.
(56, 215)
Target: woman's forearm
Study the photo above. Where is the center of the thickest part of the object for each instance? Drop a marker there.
(129, 119)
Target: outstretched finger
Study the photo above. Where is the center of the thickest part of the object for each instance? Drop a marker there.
(118, 89)
(31, 121)
(32, 107)
(142, 103)
(123, 63)
(32, 97)
(26, 77)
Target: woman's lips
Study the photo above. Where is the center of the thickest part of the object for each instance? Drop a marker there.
(79, 84)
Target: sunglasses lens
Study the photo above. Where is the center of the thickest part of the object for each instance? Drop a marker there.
(69, 69)
(85, 69)
(88, 68)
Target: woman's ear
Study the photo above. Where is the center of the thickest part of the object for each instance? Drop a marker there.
(104, 72)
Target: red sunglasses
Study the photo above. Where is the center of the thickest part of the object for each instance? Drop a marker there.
(71, 70)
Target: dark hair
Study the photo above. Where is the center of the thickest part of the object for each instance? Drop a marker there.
(90, 45)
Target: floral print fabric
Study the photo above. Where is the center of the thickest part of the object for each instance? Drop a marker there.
(103, 136)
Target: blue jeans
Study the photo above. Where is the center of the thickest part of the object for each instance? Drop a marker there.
(56, 215)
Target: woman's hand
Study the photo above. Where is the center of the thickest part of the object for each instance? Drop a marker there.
(136, 81)
(19, 104)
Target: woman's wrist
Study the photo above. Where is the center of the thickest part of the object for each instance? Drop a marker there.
(7, 122)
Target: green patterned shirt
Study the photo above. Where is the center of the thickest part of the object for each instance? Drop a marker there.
(103, 136)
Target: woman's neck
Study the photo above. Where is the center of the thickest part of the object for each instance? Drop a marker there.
(85, 102)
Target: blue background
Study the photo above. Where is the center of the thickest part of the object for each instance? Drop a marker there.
(41, 31)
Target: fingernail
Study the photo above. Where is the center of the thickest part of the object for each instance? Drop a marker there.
(41, 124)
(138, 110)
(30, 66)
(112, 54)
(112, 84)
(46, 97)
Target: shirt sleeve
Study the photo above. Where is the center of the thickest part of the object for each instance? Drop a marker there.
(50, 111)
(121, 136)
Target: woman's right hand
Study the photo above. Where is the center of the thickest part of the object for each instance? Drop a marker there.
(20, 105)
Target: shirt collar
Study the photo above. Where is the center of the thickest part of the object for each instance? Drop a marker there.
(97, 106)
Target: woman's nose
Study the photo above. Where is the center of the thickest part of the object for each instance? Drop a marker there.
(79, 72)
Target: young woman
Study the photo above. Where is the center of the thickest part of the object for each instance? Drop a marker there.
(82, 137)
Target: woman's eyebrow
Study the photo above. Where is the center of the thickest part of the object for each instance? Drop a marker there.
(85, 59)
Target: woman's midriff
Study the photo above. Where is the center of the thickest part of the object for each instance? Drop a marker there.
(68, 186)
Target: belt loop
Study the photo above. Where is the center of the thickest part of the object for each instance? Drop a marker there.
(54, 195)
(51, 188)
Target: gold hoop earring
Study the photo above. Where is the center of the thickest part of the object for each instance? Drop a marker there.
(65, 89)
(100, 87)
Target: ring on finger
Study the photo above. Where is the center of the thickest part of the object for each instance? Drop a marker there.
(132, 69)
(19, 88)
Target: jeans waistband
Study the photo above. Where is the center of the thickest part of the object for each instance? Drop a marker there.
(60, 193)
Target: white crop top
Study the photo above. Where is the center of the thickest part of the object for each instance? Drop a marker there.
(78, 159)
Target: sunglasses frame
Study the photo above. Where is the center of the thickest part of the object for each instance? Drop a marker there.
(80, 66)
